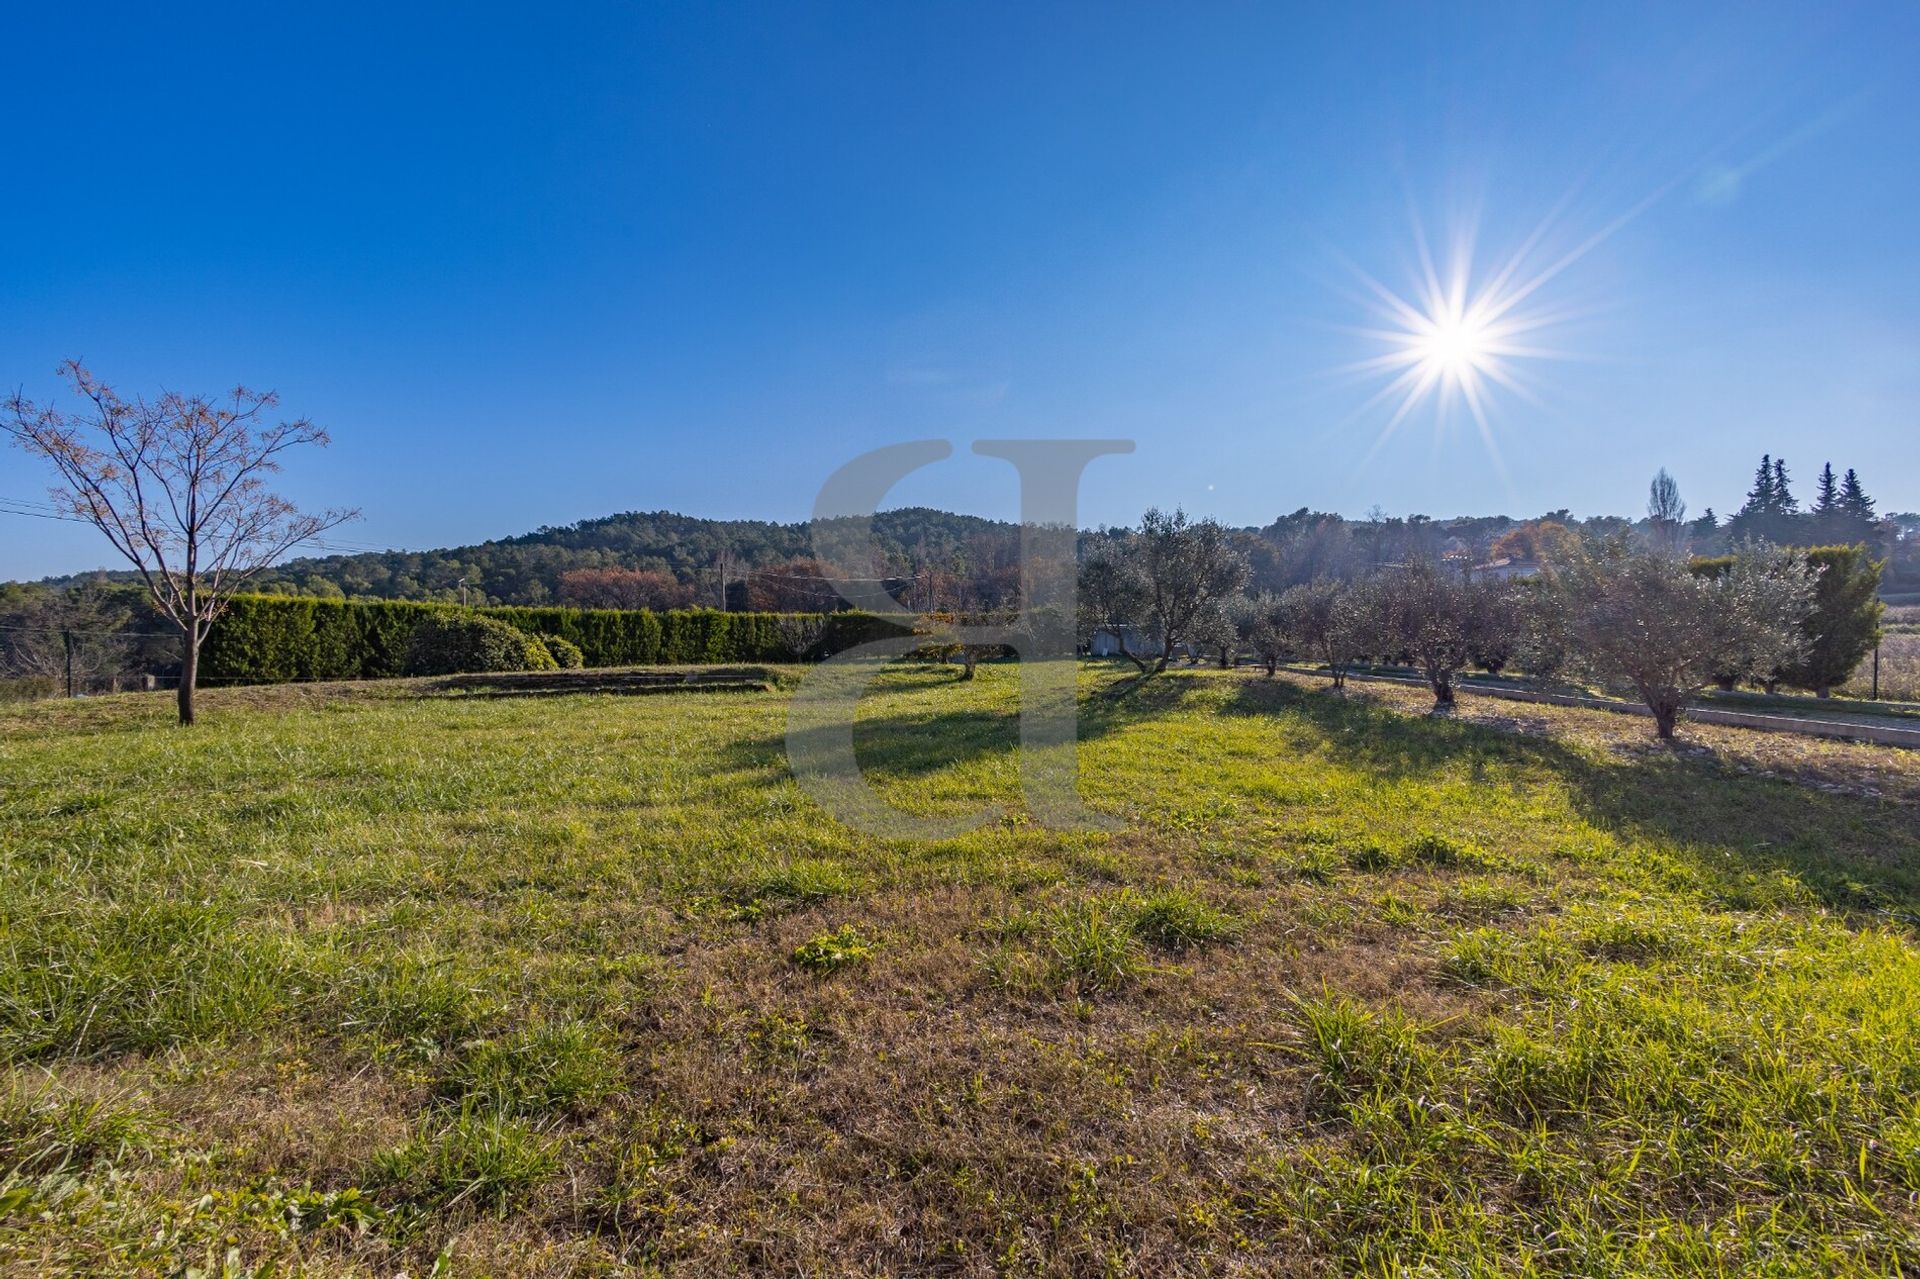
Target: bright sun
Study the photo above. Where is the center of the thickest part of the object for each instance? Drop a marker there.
(1455, 346)
(1457, 339)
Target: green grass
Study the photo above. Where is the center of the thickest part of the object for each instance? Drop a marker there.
(583, 985)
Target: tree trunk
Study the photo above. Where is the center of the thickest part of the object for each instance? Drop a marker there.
(1273, 664)
(1442, 688)
(1725, 682)
(189, 675)
(1140, 665)
(1665, 716)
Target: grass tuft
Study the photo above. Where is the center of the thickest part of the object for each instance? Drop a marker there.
(565, 1066)
(1177, 919)
(477, 1157)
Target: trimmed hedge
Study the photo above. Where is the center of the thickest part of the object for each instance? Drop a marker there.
(272, 639)
(456, 643)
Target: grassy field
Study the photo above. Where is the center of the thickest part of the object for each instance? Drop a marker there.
(354, 982)
(1899, 658)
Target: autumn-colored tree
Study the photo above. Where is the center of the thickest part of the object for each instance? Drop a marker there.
(178, 486)
(799, 585)
(1543, 541)
(625, 588)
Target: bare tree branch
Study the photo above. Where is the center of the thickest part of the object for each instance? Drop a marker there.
(177, 486)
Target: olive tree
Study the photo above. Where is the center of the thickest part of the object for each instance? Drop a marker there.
(1327, 620)
(1649, 621)
(178, 485)
(1172, 576)
(1261, 630)
(1440, 620)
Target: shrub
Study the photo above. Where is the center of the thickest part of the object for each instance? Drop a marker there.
(565, 653)
(450, 644)
(266, 639)
(1845, 622)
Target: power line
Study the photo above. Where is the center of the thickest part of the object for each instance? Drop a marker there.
(68, 630)
(8, 505)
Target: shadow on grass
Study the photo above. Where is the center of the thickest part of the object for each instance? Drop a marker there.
(1852, 853)
(906, 746)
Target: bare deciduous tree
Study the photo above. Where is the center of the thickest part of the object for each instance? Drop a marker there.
(1666, 512)
(178, 486)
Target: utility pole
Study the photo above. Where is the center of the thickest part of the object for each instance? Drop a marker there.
(1876, 670)
(463, 592)
(724, 566)
(66, 638)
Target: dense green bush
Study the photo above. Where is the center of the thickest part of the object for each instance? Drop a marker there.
(453, 643)
(565, 653)
(1845, 622)
(268, 639)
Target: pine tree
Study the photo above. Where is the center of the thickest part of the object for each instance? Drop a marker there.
(1760, 498)
(1854, 502)
(1783, 499)
(1827, 503)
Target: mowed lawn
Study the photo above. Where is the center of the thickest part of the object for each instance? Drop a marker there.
(357, 982)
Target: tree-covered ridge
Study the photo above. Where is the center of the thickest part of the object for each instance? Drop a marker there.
(932, 559)
(697, 553)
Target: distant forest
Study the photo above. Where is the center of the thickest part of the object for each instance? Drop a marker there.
(931, 559)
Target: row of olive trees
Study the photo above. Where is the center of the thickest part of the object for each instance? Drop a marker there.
(1615, 611)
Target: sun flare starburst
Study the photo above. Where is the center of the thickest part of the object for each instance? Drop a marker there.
(1461, 339)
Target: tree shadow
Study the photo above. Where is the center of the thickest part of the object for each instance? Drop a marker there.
(1852, 853)
(905, 745)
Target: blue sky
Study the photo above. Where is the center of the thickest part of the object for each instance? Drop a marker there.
(532, 264)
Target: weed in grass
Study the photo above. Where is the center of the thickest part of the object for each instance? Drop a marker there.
(44, 1129)
(1371, 855)
(1430, 849)
(830, 952)
(1312, 864)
